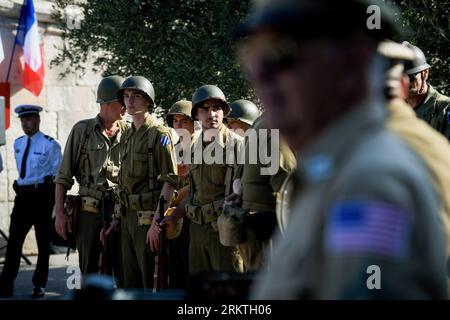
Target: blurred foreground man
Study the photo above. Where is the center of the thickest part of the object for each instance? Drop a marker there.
(365, 218)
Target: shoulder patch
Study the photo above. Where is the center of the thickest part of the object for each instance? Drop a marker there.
(164, 140)
(367, 227)
(48, 137)
(20, 137)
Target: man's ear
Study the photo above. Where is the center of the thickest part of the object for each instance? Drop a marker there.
(425, 74)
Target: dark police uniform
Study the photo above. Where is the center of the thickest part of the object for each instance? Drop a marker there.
(37, 158)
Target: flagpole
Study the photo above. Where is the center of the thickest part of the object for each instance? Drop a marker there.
(15, 43)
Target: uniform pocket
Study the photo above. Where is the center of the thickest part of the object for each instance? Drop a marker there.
(140, 165)
(218, 172)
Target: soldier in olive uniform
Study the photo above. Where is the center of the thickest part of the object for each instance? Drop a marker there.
(365, 218)
(428, 104)
(91, 156)
(179, 118)
(242, 115)
(257, 193)
(429, 145)
(210, 183)
(148, 172)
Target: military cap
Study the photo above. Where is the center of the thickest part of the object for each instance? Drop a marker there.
(244, 110)
(25, 110)
(312, 19)
(395, 51)
(419, 63)
(108, 88)
(182, 107)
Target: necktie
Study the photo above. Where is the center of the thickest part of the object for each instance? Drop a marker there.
(23, 167)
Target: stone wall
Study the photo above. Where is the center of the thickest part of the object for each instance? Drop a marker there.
(65, 101)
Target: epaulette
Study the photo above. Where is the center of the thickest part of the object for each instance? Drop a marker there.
(48, 137)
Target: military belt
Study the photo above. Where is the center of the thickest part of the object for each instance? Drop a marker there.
(140, 201)
(206, 213)
(89, 204)
(87, 192)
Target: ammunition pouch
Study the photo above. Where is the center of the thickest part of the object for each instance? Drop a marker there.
(89, 204)
(173, 230)
(140, 201)
(72, 206)
(207, 213)
(231, 226)
(118, 211)
(145, 217)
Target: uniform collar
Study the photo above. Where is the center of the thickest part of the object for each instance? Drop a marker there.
(36, 135)
(321, 156)
(431, 93)
(148, 123)
(220, 138)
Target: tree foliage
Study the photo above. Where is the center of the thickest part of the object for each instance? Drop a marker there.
(177, 45)
(426, 24)
(180, 45)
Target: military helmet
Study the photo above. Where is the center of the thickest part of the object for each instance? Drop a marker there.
(107, 89)
(208, 92)
(138, 83)
(304, 19)
(244, 110)
(182, 107)
(419, 63)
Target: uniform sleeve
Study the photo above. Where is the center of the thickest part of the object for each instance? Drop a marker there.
(56, 157)
(288, 163)
(383, 239)
(166, 159)
(67, 169)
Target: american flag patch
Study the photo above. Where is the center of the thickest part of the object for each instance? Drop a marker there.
(368, 227)
(164, 140)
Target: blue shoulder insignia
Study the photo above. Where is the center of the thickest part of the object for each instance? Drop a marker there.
(164, 140)
(48, 137)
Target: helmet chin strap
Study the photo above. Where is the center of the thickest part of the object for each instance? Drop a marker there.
(137, 112)
(422, 86)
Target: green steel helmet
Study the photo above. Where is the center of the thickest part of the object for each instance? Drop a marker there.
(182, 107)
(108, 88)
(244, 110)
(304, 19)
(208, 92)
(419, 63)
(137, 83)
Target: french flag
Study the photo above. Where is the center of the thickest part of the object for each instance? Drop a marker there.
(28, 38)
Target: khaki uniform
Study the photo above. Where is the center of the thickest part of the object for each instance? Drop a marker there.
(178, 248)
(432, 147)
(259, 198)
(148, 160)
(365, 201)
(208, 184)
(94, 160)
(432, 110)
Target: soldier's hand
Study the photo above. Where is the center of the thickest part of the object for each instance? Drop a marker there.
(61, 224)
(183, 171)
(169, 220)
(113, 227)
(153, 236)
(233, 200)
